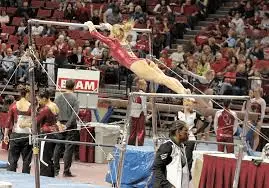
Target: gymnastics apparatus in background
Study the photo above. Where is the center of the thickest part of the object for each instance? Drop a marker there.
(143, 68)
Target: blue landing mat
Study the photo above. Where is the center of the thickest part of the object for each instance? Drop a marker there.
(20, 180)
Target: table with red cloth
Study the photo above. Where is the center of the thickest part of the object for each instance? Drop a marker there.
(218, 172)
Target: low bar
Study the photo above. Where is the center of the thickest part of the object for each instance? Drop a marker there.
(212, 142)
(45, 22)
(190, 96)
(74, 142)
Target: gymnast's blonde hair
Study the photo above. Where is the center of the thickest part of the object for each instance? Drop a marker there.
(120, 31)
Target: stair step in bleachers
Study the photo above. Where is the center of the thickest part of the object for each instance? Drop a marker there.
(204, 23)
(188, 37)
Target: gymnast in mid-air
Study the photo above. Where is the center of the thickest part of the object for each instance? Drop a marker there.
(121, 52)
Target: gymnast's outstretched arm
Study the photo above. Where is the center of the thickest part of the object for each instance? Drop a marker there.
(94, 33)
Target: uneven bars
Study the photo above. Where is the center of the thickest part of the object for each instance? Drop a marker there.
(45, 22)
(74, 142)
(189, 96)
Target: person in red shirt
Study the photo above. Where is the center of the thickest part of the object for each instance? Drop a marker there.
(225, 125)
(165, 59)
(220, 64)
(191, 11)
(142, 45)
(47, 121)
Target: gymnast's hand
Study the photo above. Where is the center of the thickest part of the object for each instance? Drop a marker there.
(90, 25)
(106, 26)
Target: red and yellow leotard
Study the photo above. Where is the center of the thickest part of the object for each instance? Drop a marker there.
(124, 56)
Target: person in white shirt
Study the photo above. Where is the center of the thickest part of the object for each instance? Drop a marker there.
(37, 30)
(191, 118)
(239, 23)
(138, 114)
(4, 18)
(98, 50)
(178, 56)
(50, 67)
(21, 29)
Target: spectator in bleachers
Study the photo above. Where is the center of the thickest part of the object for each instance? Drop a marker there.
(256, 51)
(203, 66)
(249, 67)
(177, 57)
(81, 12)
(213, 45)
(112, 15)
(191, 11)
(249, 10)
(162, 8)
(264, 10)
(4, 18)
(48, 31)
(237, 7)
(25, 11)
(73, 58)
(8, 63)
(80, 56)
(142, 45)
(37, 29)
(21, 29)
(165, 28)
(239, 23)
(265, 21)
(241, 85)
(96, 15)
(69, 12)
(230, 41)
(139, 16)
(51, 68)
(220, 64)
(208, 52)
(98, 50)
(130, 41)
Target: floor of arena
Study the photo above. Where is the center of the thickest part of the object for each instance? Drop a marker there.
(87, 175)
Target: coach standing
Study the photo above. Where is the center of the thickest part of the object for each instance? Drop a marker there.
(68, 105)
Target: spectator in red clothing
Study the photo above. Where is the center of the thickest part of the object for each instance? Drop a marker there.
(81, 13)
(165, 59)
(191, 11)
(220, 64)
(142, 45)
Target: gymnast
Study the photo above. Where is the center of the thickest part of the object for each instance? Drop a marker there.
(121, 51)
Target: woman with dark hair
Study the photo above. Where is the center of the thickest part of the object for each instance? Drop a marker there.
(170, 166)
(47, 121)
(19, 123)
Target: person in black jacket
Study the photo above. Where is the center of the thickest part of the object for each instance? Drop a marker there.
(178, 135)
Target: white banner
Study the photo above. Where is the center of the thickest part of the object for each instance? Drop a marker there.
(87, 85)
(86, 81)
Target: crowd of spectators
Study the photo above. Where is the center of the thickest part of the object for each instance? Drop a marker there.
(231, 54)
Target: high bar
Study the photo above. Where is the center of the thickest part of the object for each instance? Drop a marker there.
(74, 142)
(190, 96)
(45, 22)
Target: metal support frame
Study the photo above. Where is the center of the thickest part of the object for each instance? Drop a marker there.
(242, 147)
(33, 114)
(124, 143)
(75, 142)
(125, 134)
